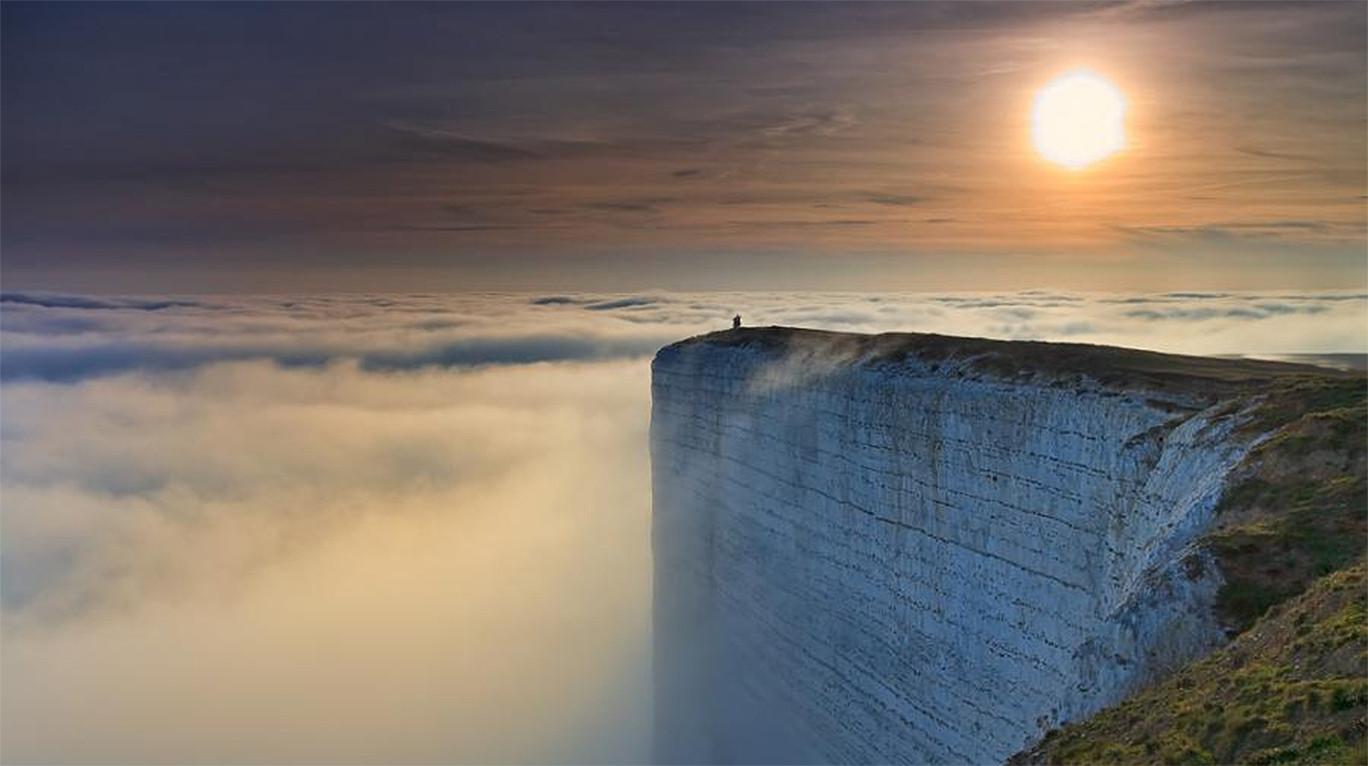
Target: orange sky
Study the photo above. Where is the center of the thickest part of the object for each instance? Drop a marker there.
(688, 146)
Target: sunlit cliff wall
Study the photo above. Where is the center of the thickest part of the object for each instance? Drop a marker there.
(912, 558)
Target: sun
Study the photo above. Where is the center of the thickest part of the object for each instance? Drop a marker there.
(1078, 119)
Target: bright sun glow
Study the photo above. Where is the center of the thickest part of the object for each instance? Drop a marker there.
(1078, 119)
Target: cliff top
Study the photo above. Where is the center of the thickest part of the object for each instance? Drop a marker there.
(1110, 365)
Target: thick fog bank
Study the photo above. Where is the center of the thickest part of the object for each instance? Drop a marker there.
(394, 528)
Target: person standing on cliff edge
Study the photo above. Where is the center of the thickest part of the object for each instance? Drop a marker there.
(736, 322)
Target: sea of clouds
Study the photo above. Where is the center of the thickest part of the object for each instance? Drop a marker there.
(397, 528)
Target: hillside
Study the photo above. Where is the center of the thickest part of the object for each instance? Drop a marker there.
(1292, 689)
(1289, 537)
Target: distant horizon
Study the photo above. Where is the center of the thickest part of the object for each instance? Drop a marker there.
(239, 283)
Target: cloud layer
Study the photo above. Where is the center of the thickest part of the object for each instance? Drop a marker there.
(253, 563)
(382, 528)
(470, 138)
(73, 337)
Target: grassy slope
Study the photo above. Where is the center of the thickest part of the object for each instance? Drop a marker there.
(1290, 536)
(1296, 510)
(1290, 690)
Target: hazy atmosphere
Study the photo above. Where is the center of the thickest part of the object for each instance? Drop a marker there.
(403, 527)
(326, 328)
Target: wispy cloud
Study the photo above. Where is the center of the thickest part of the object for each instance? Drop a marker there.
(896, 200)
(435, 141)
(57, 300)
(552, 134)
(820, 122)
(639, 205)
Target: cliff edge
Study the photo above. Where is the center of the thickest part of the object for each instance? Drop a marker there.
(926, 549)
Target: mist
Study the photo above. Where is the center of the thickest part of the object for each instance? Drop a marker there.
(402, 529)
(250, 563)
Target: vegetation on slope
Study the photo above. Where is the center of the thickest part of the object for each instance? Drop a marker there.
(1298, 508)
(1292, 690)
(1290, 537)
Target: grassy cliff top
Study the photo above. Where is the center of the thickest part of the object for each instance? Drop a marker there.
(1212, 377)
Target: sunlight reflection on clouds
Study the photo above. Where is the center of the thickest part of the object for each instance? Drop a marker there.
(397, 528)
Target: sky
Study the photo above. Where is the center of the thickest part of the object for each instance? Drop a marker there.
(216, 147)
(325, 328)
(381, 528)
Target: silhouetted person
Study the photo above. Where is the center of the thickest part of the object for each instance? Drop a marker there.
(736, 321)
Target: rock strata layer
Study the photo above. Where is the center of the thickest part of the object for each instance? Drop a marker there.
(914, 549)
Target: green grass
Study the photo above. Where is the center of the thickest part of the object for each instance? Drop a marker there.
(1339, 398)
(1301, 510)
(1293, 690)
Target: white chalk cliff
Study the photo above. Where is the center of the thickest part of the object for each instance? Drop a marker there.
(919, 549)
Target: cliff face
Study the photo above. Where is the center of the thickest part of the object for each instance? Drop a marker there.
(921, 549)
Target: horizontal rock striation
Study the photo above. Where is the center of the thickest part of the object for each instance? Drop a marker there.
(918, 549)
